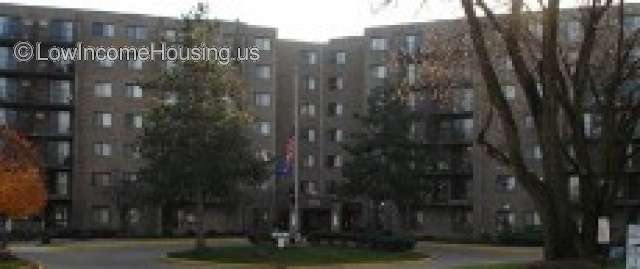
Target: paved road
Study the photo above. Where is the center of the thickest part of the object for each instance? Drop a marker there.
(143, 254)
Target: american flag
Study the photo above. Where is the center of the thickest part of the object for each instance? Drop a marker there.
(283, 165)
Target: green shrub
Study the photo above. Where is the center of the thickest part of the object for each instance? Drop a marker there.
(261, 238)
(384, 241)
(393, 243)
(529, 236)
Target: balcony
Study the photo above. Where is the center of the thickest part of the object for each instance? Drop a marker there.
(18, 100)
(58, 157)
(43, 124)
(59, 33)
(45, 69)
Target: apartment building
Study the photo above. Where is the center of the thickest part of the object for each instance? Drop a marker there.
(85, 116)
(474, 196)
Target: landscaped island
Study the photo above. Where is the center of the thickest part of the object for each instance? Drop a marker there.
(296, 256)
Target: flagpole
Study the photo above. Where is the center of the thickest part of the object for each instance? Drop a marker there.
(296, 205)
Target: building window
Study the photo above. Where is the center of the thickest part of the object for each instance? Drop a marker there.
(8, 26)
(378, 44)
(103, 29)
(536, 152)
(171, 35)
(134, 91)
(467, 128)
(311, 83)
(8, 89)
(103, 89)
(592, 125)
(8, 116)
(308, 110)
(310, 187)
(263, 155)
(528, 122)
(135, 64)
(59, 153)
(631, 22)
(466, 100)
(132, 151)
(334, 161)
(505, 220)
(263, 43)
(411, 74)
(264, 128)
(574, 188)
(61, 122)
(134, 120)
(341, 57)
(310, 135)
(263, 72)
(411, 43)
(103, 119)
(105, 62)
(60, 92)
(309, 161)
(336, 83)
(101, 179)
(7, 61)
(62, 183)
(509, 92)
(263, 99)
(574, 30)
(102, 149)
(170, 98)
(311, 57)
(61, 216)
(532, 219)
(61, 31)
(336, 135)
(136, 32)
(101, 215)
(131, 177)
(379, 71)
(505, 183)
(133, 215)
(335, 109)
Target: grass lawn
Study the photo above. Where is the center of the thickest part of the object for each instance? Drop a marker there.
(294, 256)
(12, 264)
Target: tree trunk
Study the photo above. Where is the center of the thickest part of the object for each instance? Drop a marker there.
(201, 242)
(4, 235)
(560, 233)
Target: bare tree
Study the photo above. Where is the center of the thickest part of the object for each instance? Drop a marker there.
(558, 94)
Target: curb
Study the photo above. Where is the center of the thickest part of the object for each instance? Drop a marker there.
(267, 265)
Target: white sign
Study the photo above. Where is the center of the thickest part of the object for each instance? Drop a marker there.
(281, 238)
(633, 247)
(604, 236)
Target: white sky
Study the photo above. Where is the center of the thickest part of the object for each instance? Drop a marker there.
(309, 20)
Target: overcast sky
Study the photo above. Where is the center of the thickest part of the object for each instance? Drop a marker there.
(310, 20)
